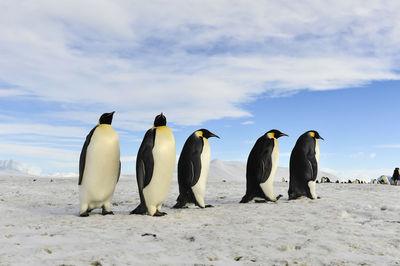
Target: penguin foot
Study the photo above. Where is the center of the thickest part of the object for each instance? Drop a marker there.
(84, 214)
(141, 209)
(179, 205)
(107, 213)
(260, 201)
(209, 206)
(279, 196)
(318, 197)
(159, 214)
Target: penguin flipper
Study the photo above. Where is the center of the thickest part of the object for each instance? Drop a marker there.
(259, 164)
(119, 171)
(189, 164)
(314, 166)
(145, 162)
(82, 159)
(263, 171)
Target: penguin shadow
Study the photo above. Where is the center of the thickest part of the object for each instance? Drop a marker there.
(49, 208)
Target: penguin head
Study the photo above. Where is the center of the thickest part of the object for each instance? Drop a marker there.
(206, 134)
(274, 133)
(106, 118)
(160, 120)
(315, 134)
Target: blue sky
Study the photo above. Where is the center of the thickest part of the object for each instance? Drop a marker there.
(238, 69)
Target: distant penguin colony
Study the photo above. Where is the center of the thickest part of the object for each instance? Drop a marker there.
(100, 167)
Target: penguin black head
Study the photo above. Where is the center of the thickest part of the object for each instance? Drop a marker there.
(274, 133)
(160, 120)
(315, 134)
(106, 118)
(206, 134)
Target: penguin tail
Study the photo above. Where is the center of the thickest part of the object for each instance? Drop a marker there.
(181, 202)
(246, 198)
(141, 209)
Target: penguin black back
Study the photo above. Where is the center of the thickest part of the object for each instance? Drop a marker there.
(190, 166)
(304, 161)
(260, 165)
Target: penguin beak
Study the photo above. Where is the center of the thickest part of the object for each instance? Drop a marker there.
(319, 137)
(213, 135)
(283, 134)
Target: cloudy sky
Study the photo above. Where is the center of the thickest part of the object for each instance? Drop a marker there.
(238, 68)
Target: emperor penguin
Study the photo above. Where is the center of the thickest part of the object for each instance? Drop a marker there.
(99, 167)
(193, 167)
(261, 168)
(395, 180)
(155, 164)
(303, 169)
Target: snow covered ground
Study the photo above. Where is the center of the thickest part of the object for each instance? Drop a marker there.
(350, 224)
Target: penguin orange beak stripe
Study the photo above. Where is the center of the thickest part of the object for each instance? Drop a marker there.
(283, 134)
(213, 135)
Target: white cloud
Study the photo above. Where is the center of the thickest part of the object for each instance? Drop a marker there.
(389, 146)
(372, 155)
(248, 122)
(357, 155)
(43, 130)
(38, 151)
(12, 92)
(193, 61)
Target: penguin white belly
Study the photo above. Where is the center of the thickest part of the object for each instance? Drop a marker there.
(101, 168)
(164, 163)
(317, 154)
(200, 187)
(311, 186)
(268, 186)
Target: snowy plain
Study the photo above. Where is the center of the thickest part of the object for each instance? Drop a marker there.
(352, 224)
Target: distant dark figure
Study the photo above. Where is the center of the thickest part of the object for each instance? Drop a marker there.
(304, 161)
(337, 181)
(395, 180)
(325, 179)
(384, 180)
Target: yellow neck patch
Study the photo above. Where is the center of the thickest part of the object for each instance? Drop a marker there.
(271, 135)
(312, 134)
(199, 133)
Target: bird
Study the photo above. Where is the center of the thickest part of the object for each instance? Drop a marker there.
(304, 161)
(155, 166)
(261, 168)
(193, 167)
(99, 167)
